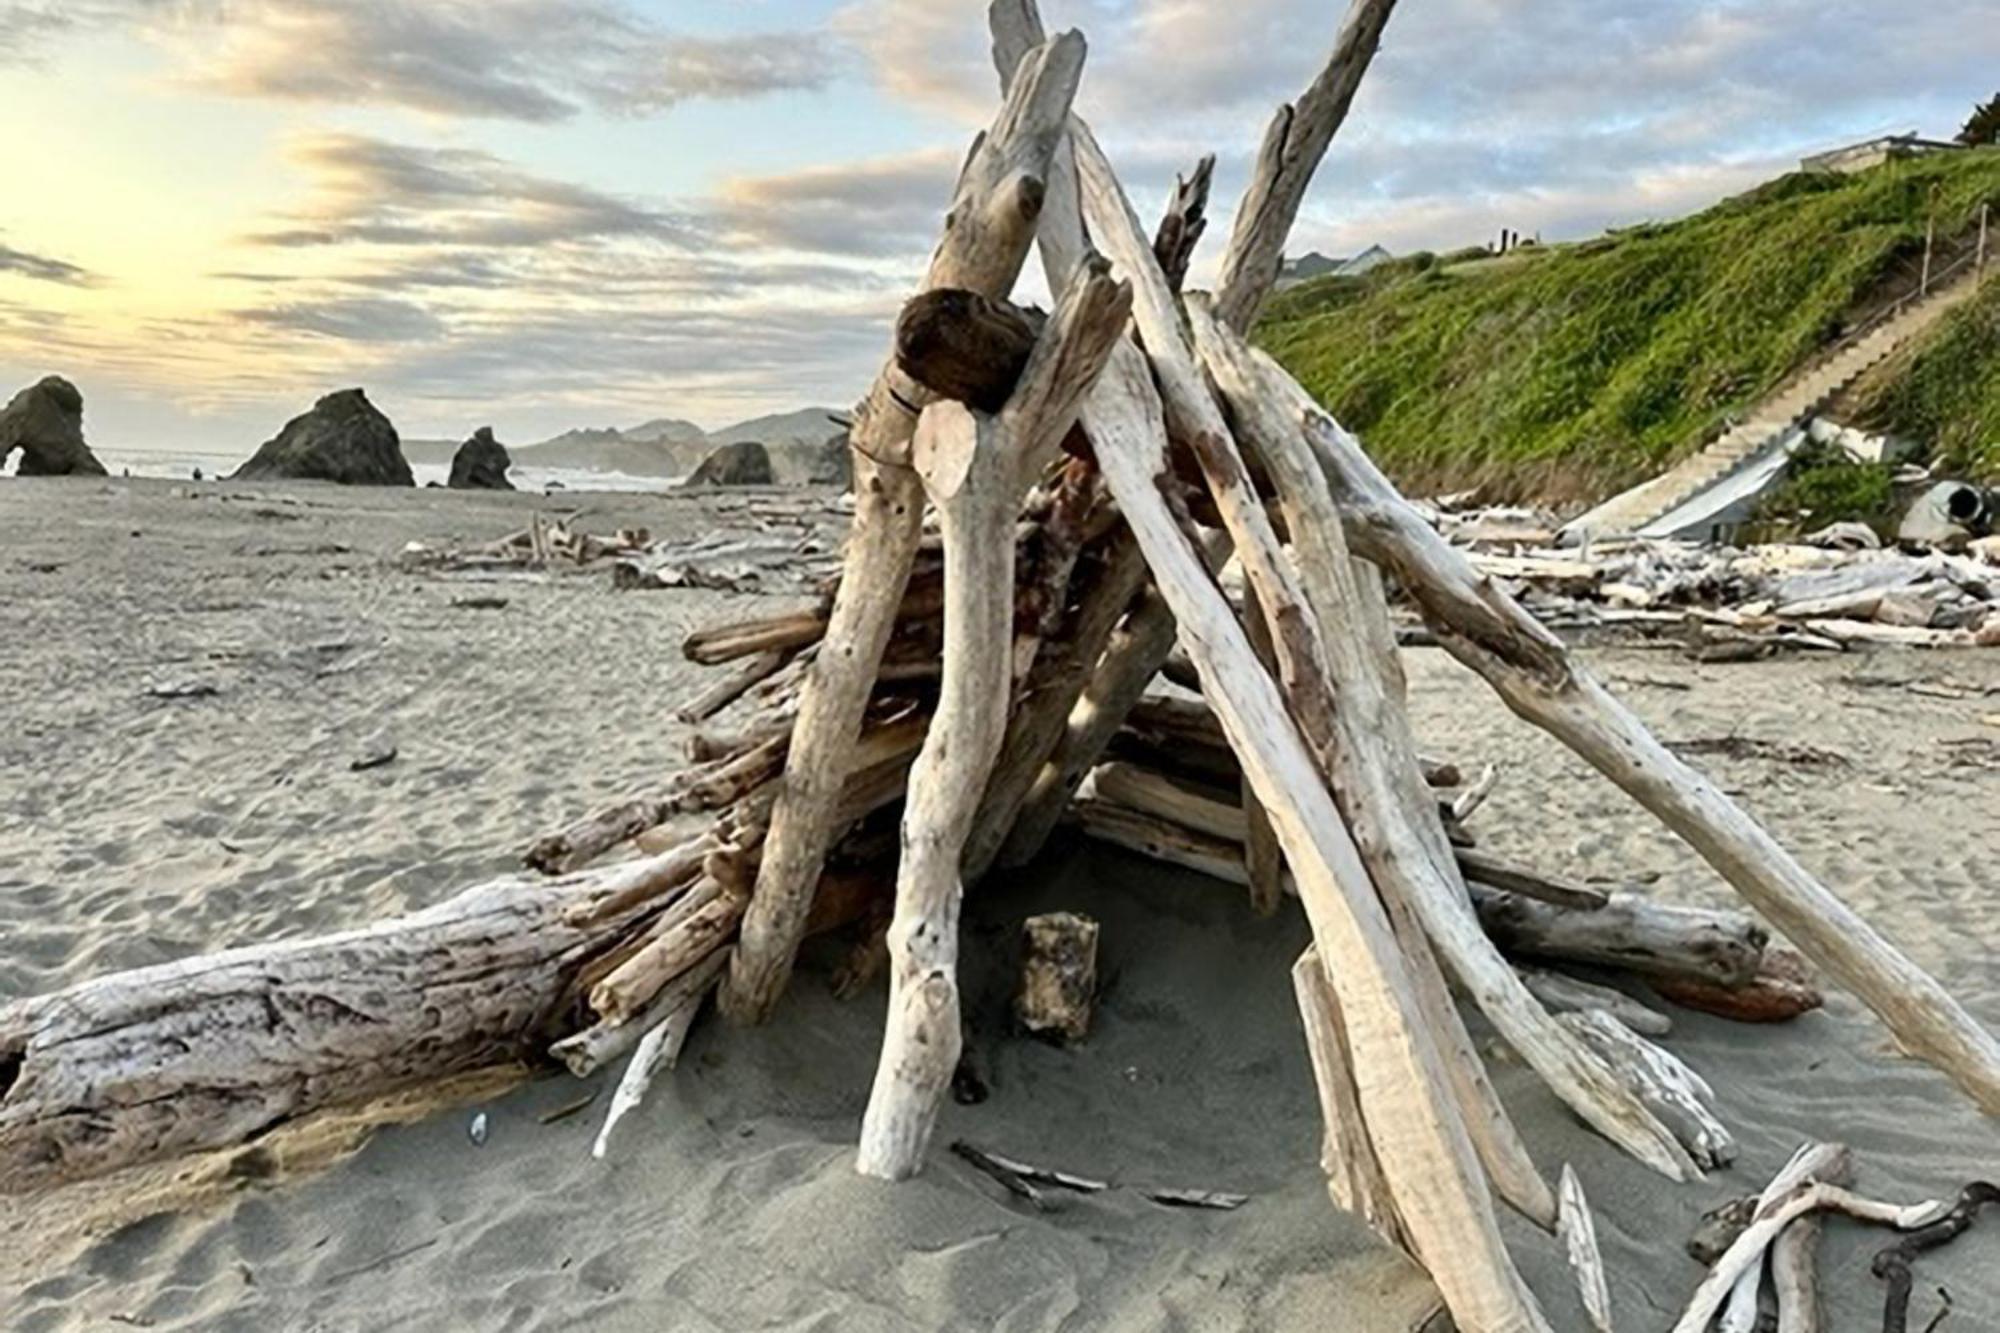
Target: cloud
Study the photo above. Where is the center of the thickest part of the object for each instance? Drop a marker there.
(455, 283)
(373, 191)
(530, 60)
(1491, 112)
(874, 207)
(42, 268)
(354, 319)
(465, 286)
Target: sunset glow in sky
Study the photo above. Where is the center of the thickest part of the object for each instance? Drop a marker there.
(549, 213)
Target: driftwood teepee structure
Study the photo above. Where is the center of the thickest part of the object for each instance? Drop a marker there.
(1089, 471)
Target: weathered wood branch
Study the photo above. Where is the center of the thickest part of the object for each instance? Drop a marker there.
(1829, 1162)
(1423, 1144)
(1750, 1246)
(974, 470)
(1379, 783)
(1531, 669)
(1293, 146)
(987, 235)
(1185, 221)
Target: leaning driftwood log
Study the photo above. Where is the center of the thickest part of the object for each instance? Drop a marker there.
(974, 469)
(1533, 672)
(988, 232)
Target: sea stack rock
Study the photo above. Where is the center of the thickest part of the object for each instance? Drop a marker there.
(481, 464)
(831, 463)
(344, 439)
(45, 422)
(745, 464)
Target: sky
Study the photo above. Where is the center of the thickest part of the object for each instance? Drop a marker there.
(541, 214)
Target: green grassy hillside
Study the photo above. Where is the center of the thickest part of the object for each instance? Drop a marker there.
(1571, 371)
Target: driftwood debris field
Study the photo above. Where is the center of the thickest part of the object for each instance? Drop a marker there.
(1105, 565)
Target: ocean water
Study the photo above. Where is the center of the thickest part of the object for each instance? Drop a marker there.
(181, 465)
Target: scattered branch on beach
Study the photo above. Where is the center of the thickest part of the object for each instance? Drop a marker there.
(1893, 1264)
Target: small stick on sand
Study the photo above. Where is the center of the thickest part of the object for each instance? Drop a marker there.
(1750, 1246)
(659, 1049)
(1579, 1238)
(1828, 1162)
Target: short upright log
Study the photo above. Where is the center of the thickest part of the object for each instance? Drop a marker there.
(974, 468)
(1058, 976)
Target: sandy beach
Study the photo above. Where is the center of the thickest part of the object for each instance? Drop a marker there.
(139, 829)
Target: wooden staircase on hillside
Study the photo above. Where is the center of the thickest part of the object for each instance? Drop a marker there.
(1650, 508)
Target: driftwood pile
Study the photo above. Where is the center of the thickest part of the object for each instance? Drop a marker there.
(774, 544)
(1746, 602)
(1041, 507)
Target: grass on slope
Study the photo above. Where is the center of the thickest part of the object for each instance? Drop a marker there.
(1571, 371)
(1946, 390)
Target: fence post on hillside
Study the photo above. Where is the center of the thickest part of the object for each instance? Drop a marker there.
(1979, 265)
(1930, 240)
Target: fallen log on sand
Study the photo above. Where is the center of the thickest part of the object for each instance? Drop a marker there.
(212, 1051)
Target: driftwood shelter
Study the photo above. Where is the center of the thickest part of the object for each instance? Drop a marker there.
(1043, 505)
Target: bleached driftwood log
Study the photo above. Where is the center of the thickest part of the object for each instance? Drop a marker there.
(1380, 783)
(1354, 1175)
(1297, 139)
(1303, 657)
(1674, 1093)
(1031, 783)
(1478, 866)
(1263, 862)
(1631, 933)
(1531, 669)
(210, 1051)
(988, 232)
(1564, 994)
(1434, 1176)
(974, 470)
(733, 686)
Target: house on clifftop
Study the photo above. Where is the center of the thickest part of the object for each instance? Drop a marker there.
(1854, 157)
